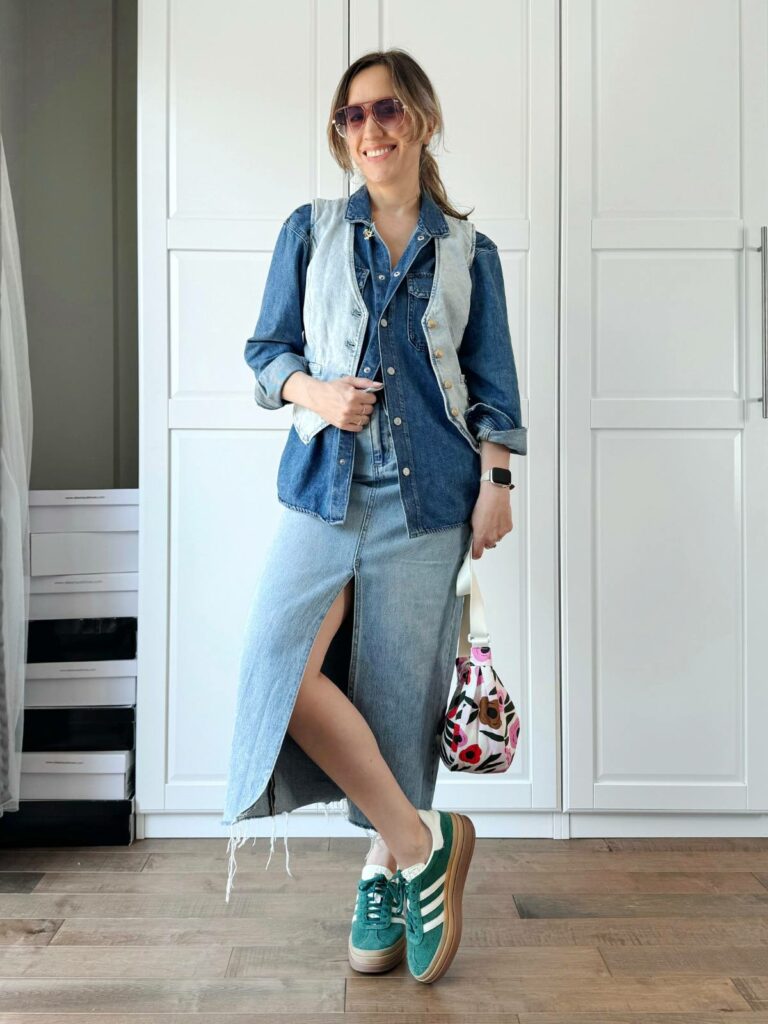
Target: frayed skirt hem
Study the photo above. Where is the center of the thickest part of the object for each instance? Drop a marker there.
(241, 830)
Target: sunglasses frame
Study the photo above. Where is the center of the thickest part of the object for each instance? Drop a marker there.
(368, 109)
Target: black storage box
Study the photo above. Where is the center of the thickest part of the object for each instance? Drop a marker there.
(69, 823)
(81, 639)
(104, 728)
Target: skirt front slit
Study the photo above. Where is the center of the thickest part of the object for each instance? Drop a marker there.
(392, 657)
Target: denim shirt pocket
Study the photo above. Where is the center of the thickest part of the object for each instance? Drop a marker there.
(419, 290)
(361, 273)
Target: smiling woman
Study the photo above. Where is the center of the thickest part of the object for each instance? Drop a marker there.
(382, 313)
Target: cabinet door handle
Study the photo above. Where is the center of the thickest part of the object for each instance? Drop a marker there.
(764, 298)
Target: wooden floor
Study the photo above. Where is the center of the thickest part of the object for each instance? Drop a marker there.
(610, 931)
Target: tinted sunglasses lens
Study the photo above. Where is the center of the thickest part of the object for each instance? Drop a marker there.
(389, 112)
(349, 118)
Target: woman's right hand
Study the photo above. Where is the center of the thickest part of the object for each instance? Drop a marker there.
(344, 403)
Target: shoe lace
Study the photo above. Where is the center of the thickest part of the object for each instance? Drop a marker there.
(375, 896)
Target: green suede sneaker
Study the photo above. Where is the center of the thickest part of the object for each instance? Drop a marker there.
(377, 939)
(433, 892)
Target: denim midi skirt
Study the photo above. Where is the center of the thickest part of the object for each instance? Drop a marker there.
(393, 656)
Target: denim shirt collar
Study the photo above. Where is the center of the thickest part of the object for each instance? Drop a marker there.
(431, 219)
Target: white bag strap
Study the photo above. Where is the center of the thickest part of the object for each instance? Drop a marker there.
(474, 630)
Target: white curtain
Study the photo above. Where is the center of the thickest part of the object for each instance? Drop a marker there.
(15, 464)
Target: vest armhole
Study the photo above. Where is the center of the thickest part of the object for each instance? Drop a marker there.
(312, 220)
(472, 242)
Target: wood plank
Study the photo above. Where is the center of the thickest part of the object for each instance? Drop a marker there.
(639, 905)
(274, 906)
(754, 990)
(288, 1018)
(20, 881)
(561, 995)
(271, 961)
(726, 960)
(164, 962)
(201, 931)
(479, 882)
(637, 1018)
(74, 995)
(684, 844)
(251, 857)
(91, 858)
(247, 931)
(27, 931)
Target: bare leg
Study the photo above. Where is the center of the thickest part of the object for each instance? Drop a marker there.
(330, 730)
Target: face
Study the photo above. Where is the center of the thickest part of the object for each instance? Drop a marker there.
(400, 163)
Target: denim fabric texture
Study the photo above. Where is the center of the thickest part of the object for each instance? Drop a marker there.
(434, 328)
(393, 657)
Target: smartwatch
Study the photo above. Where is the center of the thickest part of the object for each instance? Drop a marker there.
(500, 477)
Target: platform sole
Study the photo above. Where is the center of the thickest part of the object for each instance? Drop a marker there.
(376, 961)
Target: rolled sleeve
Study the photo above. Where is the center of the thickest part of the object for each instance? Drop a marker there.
(275, 350)
(487, 359)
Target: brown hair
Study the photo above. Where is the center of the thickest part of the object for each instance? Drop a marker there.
(414, 89)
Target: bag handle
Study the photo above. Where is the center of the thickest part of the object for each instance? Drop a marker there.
(474, 630)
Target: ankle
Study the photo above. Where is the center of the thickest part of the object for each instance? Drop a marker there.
(380, 854)
(417, 850)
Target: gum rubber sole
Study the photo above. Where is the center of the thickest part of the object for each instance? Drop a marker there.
(456, 876)
(376, 961)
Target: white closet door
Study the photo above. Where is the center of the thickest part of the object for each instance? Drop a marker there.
(665, 449)
(232, 106)
(495, 68)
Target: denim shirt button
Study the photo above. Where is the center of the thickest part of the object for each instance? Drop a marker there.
(397, 273)
(406, 471)
(381, 277)
(383, 321)
(397, 420)
(390, 370)
(342, 461)
(420, 237)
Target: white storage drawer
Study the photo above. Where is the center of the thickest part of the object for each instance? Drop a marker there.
(80, 684)
(75, 775)
(82, 511)
(106, 595)
(59, 554)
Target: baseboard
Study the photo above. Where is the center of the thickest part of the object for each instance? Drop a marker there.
(505, 825)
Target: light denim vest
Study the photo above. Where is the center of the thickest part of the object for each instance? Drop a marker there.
(335, 314)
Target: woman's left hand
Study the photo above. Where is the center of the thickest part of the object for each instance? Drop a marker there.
(491, 517)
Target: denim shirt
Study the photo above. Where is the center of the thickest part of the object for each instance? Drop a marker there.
(436, 431)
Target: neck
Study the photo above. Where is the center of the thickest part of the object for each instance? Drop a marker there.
(396, 201)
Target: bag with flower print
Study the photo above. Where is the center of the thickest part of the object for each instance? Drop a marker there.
(481, 725)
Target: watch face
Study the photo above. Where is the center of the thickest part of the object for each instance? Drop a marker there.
(501, 476)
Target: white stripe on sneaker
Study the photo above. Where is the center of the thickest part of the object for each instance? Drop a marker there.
(425, 893)
(436, 902)
(434, 923)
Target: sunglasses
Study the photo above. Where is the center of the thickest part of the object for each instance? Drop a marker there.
(388, 113)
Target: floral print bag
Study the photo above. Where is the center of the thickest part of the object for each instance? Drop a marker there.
(481, 726)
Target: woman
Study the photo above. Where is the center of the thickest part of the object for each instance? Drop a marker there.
(384, 322)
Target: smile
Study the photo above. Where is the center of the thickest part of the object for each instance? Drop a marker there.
(380, 153)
